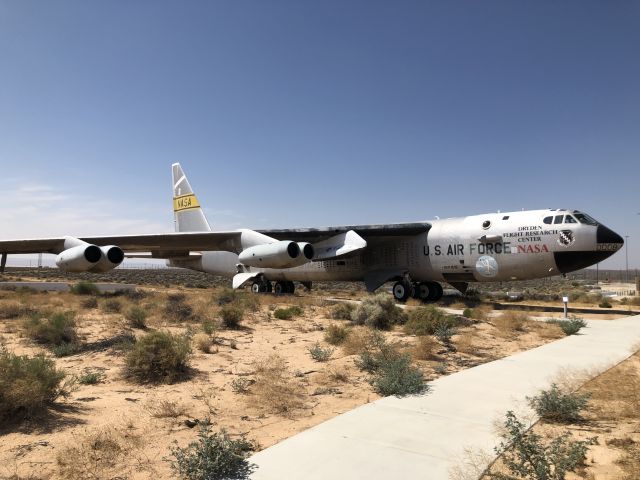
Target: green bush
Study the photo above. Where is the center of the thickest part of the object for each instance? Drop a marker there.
(51, 329)
(137, 316)
(397, 376)
(232, 315)
(342, 311)
(158, 357)
(526, 456)
(90, 377)
(229, 296)
(555, 406)
(426, 320)
(467, 312)
(215, 456)
(28, 385)
(65, 349)
(379, 311)
(444, 332)
(571, 326)
(85, 288)
(336, 334)
(320, 354)
(288, 313)
(605, 303)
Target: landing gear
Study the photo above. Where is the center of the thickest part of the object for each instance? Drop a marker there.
(261, 286)
(427, 291)
(284, 287)
(402, 291)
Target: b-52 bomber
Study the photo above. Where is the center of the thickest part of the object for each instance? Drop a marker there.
(418, 256)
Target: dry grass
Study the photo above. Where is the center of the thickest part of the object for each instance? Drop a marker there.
(426, 348)
(481, 312)
(202, 342)
(165, 408)
(465, 343)
(510, 323)
(337, 374)
(102, 453)
(360, 339)
(618, 399)
(546, 331)
(275, 390)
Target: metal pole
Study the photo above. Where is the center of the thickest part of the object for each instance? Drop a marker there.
(626, 256)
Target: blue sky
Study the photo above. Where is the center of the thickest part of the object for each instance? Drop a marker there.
(299, 113)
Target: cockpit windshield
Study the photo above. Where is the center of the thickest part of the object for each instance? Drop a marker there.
(584, 218)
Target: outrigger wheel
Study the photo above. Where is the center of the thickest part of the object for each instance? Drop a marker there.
(401, 291)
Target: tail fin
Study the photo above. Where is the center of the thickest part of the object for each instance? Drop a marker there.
(188, 215)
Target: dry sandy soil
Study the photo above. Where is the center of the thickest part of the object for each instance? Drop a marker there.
(117, 428)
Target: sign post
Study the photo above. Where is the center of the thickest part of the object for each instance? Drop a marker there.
(565, 300)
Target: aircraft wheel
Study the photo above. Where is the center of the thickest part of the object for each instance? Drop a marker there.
(279, 288)
(423, 290)
(268, 288)
(290, 287)
(401, 291)
(255, 287)
(435, 292)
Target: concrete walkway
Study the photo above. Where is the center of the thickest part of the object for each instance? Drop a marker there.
(425, 436)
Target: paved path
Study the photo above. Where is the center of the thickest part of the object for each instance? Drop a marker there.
(425, 436)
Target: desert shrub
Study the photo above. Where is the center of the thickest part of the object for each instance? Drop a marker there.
(336, 334)
(479, 313)
(137, 316)
(89, 303)
(605, 303)
(342, 311)
(66, 349)
(379, 311)
(85, 288)
(376, 352)
(229, 296)
(337, 374)
(209, 326)
(445, 332)
(28, 385)
(240, 385)
(215, 456)
(320, 354)
(202, 342)
(526, 456)
(51, 329)
(90, 377)
(165, 408)
(226, 295)
(467, 312)
(510, 322)
(288, 313)
(11, 310)
(360, 339)
(158, 357)
(274, 389)
(232, 315)
(426, 320)
(112, 305)
(176, 309)
(425, 348)
(571, 326)
(396, 376)
(554, 405)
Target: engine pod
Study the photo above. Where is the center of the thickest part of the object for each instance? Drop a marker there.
(79, 259)
(282, 254)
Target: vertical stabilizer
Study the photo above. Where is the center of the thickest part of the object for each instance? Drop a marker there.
(187, 212)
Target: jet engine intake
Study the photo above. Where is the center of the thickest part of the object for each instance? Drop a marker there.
(307, 250)
(112, 256)
(282, 254)
(80, 258)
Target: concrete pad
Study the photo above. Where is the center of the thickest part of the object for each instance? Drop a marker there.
(426, 436)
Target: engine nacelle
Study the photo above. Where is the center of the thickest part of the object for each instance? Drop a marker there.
(307, 250)
(283, 254)
(112, 256)
(80, 258)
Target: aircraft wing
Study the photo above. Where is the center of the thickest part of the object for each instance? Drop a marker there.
(368, 232)
(173, 244)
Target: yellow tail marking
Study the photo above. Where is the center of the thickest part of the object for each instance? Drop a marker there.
(184, 202)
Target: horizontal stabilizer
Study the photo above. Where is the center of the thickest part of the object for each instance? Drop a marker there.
(338, 246)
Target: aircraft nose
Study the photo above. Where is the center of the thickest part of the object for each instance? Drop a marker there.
(607, 238)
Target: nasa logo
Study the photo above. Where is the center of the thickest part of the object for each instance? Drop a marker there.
(566, 238)
(487, 266)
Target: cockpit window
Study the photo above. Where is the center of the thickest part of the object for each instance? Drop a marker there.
(569, 219)
(548, 220)
(586, 219)
(558, 219)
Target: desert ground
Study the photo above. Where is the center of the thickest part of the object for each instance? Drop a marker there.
(256, 379)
